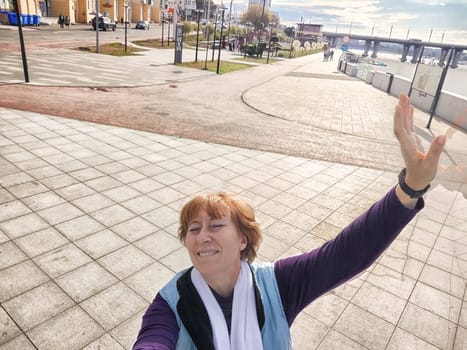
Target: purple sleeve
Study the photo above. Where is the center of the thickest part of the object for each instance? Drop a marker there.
(303, 278)
(159, 330)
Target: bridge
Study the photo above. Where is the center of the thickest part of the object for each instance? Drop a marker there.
(333, 39)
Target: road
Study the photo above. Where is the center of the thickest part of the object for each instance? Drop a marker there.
(81, 34)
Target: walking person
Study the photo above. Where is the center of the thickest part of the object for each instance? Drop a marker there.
(225, 301)
(61, 20)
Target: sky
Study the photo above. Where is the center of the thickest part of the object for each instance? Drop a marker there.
(445, 20)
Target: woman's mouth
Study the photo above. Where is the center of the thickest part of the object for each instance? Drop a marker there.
(207, 253)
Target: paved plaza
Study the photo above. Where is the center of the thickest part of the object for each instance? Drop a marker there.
(88, 220)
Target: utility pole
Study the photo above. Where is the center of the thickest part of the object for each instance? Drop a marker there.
(230, 20)
(198, 12)
(125, 7)
(220, 42)
(21, 41)
(97, 25)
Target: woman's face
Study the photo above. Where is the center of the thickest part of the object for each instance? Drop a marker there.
(214, 244)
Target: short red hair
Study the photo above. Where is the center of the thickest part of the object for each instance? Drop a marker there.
(241, 213)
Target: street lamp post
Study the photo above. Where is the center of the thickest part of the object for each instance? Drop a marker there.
(97, 26)
(21, 41)
(220, 42)
(214, 39)
(269, 46)
(125, 7)
(207, 49)
(199, 12)
(168, 31)
(230, 20)
(162, 21)
(291, 44)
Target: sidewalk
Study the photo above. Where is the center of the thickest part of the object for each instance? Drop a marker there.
(88, 221)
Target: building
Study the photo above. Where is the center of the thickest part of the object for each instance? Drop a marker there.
(309, 32)
(82, 11)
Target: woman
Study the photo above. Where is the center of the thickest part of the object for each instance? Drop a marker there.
(226, 302)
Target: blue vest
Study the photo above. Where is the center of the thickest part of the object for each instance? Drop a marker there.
(275, 333)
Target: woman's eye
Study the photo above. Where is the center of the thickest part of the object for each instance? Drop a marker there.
(193, 229)
(217, 226)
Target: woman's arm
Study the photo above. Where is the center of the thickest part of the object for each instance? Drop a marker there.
(303, 278)
(159, 330)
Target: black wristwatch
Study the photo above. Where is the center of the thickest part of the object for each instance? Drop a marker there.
(412, 193)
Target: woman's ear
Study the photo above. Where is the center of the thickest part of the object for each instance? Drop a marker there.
(243, 242)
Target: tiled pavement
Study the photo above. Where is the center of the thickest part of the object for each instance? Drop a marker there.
(88, 234)
(88, 219)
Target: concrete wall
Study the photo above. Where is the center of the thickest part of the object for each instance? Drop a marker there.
(450, 107)
(453, 108)
(351, 69)
(61, 7)
(381, 80)
(27, 7)
(369, 77)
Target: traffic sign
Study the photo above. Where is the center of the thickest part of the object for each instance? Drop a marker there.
(344, 47)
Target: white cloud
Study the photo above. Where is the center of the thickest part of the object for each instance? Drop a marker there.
(365, 15)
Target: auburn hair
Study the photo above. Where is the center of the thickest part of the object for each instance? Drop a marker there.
(215, 205)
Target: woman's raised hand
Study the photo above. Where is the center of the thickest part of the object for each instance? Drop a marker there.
(421, 167)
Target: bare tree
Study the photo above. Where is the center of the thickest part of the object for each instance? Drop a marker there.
(257, 17)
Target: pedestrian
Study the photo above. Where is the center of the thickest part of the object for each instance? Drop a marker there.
(67, 21)
(225, 301)
(331, 54)
(61, 20)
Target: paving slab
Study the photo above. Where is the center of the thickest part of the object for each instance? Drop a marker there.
(68, 264)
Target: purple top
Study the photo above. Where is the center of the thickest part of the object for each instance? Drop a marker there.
(303, 278)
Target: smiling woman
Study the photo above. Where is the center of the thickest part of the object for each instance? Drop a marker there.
(225, 301)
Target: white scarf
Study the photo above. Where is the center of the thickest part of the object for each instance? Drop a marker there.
(245, 332)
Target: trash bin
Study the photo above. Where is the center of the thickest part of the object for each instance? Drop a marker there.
(36, 20)
(30, 20)
(12, 18)
(24, 20)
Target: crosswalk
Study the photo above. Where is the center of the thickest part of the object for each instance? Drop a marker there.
(66, 67)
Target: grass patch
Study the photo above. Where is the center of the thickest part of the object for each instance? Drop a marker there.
(113, 49)
(253, 59)
(225, 67)
(155, 44)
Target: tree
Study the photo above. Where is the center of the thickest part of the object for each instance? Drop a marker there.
(289, 31)
(256, 17)
(275, 20)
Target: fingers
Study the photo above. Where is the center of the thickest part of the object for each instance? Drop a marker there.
(436, 148)
(403, 115)
(407, 112)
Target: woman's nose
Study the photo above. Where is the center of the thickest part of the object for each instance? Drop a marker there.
(205, 234)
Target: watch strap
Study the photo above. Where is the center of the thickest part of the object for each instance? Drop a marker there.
(406, 188)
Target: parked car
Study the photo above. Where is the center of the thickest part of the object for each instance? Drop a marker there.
(142, 25)
(105, 24)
